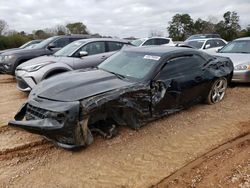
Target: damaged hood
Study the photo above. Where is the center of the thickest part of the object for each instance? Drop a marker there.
(77, 85)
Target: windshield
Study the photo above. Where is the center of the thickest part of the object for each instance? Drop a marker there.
(25, 45)
(69, 49)
(30, 44)
(195, 43)
(130, 64)
(44, 43)
(240, 46)
(138, 42)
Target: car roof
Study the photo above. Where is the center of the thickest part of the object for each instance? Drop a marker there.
(205, 39)
(161, 50)
(243, 38)
(155, 38)
(102, 39)
(72, 36)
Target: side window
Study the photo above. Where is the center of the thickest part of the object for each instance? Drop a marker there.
(61, 42)
(149, 42)
(94, 48)
(180, 66)
(114, 46)
(219, 43)
(210, 44)
(162, 41)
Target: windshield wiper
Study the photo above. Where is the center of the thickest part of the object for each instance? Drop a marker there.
(118, 75)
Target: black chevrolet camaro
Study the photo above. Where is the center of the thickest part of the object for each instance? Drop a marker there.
(133, 87)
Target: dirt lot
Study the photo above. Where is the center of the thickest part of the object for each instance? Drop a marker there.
(204, 146)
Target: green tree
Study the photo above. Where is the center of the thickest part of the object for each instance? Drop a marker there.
(40, 34)
(181, 27)
(245, 32)
(202, 26)
(229, 27)
(77, 28)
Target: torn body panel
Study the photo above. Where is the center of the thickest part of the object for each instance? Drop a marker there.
(57, 121)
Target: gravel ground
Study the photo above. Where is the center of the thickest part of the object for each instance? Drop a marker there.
(141, 158)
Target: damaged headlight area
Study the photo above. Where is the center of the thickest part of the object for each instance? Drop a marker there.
(57, 121)
(6, 58)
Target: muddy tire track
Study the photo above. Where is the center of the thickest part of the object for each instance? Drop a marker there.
(241, 139)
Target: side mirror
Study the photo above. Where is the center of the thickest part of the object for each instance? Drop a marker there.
(218, 50)
(83, 53)
(51, 46)
(207, 46)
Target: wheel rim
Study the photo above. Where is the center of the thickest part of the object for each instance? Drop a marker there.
(219, 90)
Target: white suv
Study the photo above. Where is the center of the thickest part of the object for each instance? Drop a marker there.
(209, 45)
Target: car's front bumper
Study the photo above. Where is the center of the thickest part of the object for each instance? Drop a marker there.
(241, 76)
(25, 82)
(57, 121)
(4, 68)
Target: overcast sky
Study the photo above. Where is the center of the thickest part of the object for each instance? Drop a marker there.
(120, 18)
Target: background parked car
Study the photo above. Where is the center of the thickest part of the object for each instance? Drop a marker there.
(132, 87)
(239, 52)
(10, 60)
(203, 36)
(79, 54)
(29, 44)
(209, 45)
(153, 41)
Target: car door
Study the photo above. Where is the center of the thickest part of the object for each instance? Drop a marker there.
(96, 54)
(178, 84)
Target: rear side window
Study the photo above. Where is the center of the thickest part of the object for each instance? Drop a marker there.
(94, 48)
(162, 41)
(149, 42)
(211, 44)
(181, 65)
(61, 42)
(219, 43)
(114, 46)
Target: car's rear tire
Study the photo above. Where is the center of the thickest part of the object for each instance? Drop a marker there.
(217, 91)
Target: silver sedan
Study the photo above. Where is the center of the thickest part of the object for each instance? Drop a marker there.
(239, 52)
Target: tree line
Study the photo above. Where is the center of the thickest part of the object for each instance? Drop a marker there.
(12, 39)
(179, 28)
(182, 26)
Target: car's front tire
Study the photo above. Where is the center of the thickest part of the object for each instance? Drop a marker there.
(217, 91)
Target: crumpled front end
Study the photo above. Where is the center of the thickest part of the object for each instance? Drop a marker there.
(57, 121)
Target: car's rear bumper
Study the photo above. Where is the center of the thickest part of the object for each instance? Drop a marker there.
(57, 121)
(241, 76)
